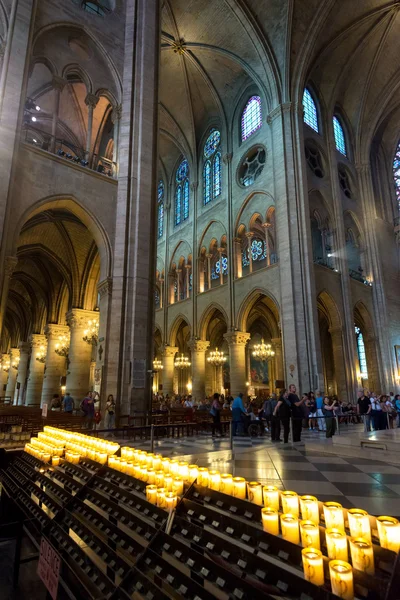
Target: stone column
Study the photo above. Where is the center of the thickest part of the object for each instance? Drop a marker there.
(9, 265)
(338, 361)
(209, 257)
(250, 236)
(198, 352)
(55, 364)
(277, 348)
(267, 227)
(161, 292)
(36, 372)
(80, 353)
(237, 341)
(178, 279)
(58, 86)
(91, 102)
(188, 268)
(116, 119)
(3, 375)
(24, 350)
(221, 275)
(238, 257)
(12, 374)
(104, 290)
(168, 358)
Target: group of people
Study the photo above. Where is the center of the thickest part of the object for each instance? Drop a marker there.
(89, 408)
(379, 411)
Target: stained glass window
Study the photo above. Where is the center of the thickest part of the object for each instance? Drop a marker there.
(182, 192)
(396, 173)
(258, 252)
(310, 110)
(251, 117)
(362, 359)
(160, 197)
(212, 167)
(217, 174)
(339, 136)
(212, 143)
(216, 270)
(207, 182)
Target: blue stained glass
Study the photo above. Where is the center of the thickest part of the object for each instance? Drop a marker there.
(178, 205)
(160, 219)
(310, 110)
(362, 359)
(190, 282)
(212, 143)
(186, 200)
(340, 141)
(251, 117)
(157, 298)
(160, 190)
(216, 270)
(258, 252)
(207, 182)
(217, 175)
(396, 174)
(182, 171)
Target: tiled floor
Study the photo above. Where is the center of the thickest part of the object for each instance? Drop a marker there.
(354, 482)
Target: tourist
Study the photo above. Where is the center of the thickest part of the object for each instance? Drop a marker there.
(375, 411)
(87, 407)
(312, 408)
(56, 403)
(328, 410)
(397, 407)
(238, 414)
(364, 409)
(283, 412)
(215, 412)
(319, 400)
(68, 403)
(390, 410)
(274, 419)
(109, 413)
(188, 403)
(297, 412)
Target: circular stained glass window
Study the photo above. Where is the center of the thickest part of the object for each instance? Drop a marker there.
(252, 165)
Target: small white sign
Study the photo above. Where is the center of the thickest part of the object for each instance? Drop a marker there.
(44, 410)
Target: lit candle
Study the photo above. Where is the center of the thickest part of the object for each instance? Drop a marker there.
(159, 479)
(151, 476)
(239, 487)
(168, 481)
(157, 462)
(309, 509)
(226, 485)
(161, 497)
(170, 501)
(359, 523)
(165, 463)
(336, 542)
(254, 492)
(290, 528)
(151, 493)
(102, 458)
(341, 575)
(362, 555)
(184, 471)
(55, 461)
(122, 466)
(173, 467)
(389, 533)
(271, 496)
(215, 480)
(149, 459)
(309, 535)
(333, 513)
(177, 486)
(313, 566)
(270, 520)
(193, 472)
(290, 503)
(203, 477)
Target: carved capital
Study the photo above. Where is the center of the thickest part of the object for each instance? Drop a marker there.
(91, 100)
(9, 266)
(279, 111)
(221, 250)
(24, 347)
(170, 351)
(237, 338)
(227, 158)
(58, 83)
(266, 225)
(78, 318)
(105, 287)
(37, 340)
(116, 113)
(194, 185)
(55, 330)
(198, 345)
(14, 353)
(249, 234)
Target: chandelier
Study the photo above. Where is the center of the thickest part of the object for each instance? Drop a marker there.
(91, 333)
(62, 346)
(41, 354)
(216, 358)
(6, 364)
(262, 351)
(15, 362)
(157, 365)
(182, 362)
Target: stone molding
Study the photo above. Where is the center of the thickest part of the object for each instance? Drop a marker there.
(37, 340)
(77, 318)
(14, 353)
(237, 338)
(227, 158)
(116, 113)
(278, 111)
(91, 100)
(170, 351)
(58, 83)
(194, 185)
(105, 287)
(55, 329)
(198, 345)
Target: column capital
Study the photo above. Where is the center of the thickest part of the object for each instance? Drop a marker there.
(78, 318)
(91, 100)
(279, 111)
(237, 240)
(9, 266)
(24, 347)
(209, 255)
(237, 338)
(170, 351)
(221, 250)
(198, 345)
(58, 83)
(227, 158)
(187, 267)
(249, 234)
(55, 329)
(105, 287)
(266, 225)
(37, 340)
(14, 352)
(116, 113)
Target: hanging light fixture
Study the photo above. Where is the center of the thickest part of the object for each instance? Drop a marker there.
(91, 333)
(41, 354)
(216, 358)
(62, 346)
(6, 364)
(262, 351)
(182, 362)
(157, 365)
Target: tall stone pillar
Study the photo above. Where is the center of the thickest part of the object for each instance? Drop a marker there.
(116, 119)
(168, 358)
(91, 102)
(3, 375)
(10, 262)
(55, 364)
(279, 370)
(104, 290)
(24, 350)
(198, 352)
(338, 360)
(58, 84)
(36, 372)
(80, 353)
(237, 341)
(12, 374)
(128, 370)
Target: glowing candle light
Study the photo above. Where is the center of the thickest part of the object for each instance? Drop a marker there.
(177, 486)
(170, 501)
(168, 481)
(173, 467)
(271, 496)
(359, 523)
(226, 485)
(149, 459)
(313, 565)
(290, 503)
(159, 479)
(203, 477)
(254, 492)
(161, 497)
(151, 476)
(157, 462)
(184, 470)
(341, 575)
(193, 472)
(309, 509)
(290, 528)
(389, 533)
(309, 532)
(362, 555)
(333, 513)
(102, 458)
(336, 542)
(151, 493)
(239, 487)
(165, 464)
(215, 480)
(55, 461)
(270, 520)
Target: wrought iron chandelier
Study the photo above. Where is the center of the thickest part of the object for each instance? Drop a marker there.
(62, 346)
(157, 365)
(216, 358)
(262, 351)
(182, 362)
(91, 333)
(41, 354)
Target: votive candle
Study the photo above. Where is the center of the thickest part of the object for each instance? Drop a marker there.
(309, 509)
(333, 513)
(214, 480)
(151, 493)
(55, 461)
(389, 533)
(165, 463)
(341, 575)
(151, 476)
(174, 467)
(290, 528)
(161, 497)
(359, 523)
(336, 542)
(362, 555)
(203, 477)
(290, 503)
(309, 532)
(226, 485)
(193, 472)
(239, 487)
(313, 565)
(271, 496)
(177, 486)
(184, 470)
(157, 462)
(254, 492)
(159, 479)
(270, 520)
(168, 481)
(170, 501)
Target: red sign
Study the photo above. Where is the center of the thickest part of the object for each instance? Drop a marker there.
(49, 567)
